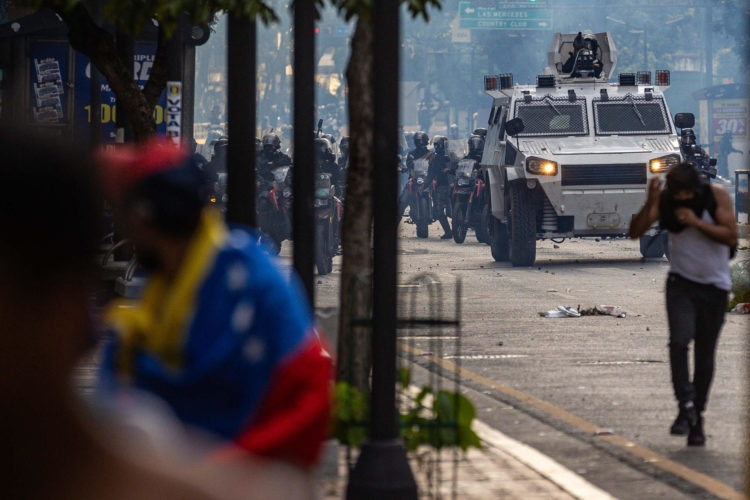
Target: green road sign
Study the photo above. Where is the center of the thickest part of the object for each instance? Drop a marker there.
(506, 16)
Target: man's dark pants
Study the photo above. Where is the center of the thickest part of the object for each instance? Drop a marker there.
(695, 312)
(443, 206)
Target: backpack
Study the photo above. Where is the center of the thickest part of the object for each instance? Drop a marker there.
(667, 220)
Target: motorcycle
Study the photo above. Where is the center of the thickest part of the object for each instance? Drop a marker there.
(420, 198)
(328, 213)
(274, 209)
(468, 202)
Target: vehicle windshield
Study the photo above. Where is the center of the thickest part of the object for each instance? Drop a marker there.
(552, 116)
(420, 167)
(465, 168)
(631, 116)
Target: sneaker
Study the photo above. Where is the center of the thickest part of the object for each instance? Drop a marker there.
(696, 436)
(681, 425)
(446, 236)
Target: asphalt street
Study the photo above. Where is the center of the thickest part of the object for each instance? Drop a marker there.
(549, 381)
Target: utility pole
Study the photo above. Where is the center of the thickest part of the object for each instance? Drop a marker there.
(382, 471)
(709, 75)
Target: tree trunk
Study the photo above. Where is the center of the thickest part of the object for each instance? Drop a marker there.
(98, 45)
(356, 275)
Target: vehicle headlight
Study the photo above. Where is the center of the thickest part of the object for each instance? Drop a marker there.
(663, 164)
(287, 193)
(420, 180)
(540, 166)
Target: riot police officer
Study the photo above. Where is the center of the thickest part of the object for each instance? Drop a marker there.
(218, 163)
(476, 148)
(584, 58)
(441, 171)
(695, 154)
(325, 162)
(420, 140)
(270, 158)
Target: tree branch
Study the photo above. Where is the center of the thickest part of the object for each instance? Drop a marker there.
(158, 78)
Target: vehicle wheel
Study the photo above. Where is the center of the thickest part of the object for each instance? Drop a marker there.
(522, 226)
(423, 223)
(484, 228)
(458, 226)
(323, 261)
(653, 247)
(499, 241)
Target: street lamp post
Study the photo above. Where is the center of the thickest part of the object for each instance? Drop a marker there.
(382, 471)
(303, 213)
(241, 120)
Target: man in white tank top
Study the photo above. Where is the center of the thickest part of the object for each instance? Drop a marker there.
(702, 231)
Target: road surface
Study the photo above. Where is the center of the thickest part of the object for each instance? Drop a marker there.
(593, 393)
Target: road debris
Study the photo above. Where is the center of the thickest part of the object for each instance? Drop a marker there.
(742, 308)
(570, 312)
(561, 312)
(604, 310)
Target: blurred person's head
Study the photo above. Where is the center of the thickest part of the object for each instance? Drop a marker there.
(159, 195)
(49, 235)
(684, 182)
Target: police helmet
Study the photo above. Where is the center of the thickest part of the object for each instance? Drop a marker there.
(421, 139)
(441, 143)
(271, 142)
(687, 136)
(481, 132)
(409, 139)
(323, 148)
(476, 144)
(220, 144)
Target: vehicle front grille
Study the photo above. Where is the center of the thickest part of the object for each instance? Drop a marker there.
(599, 175)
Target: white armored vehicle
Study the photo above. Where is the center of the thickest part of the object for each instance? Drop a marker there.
(572, 155)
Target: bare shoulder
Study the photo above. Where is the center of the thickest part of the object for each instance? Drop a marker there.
(721, 195)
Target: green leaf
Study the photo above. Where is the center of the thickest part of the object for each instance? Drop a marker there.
(405, 377)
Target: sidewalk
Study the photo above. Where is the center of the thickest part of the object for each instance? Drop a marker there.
(505, 468)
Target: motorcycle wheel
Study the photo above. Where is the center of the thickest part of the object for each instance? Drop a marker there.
(484, 228)
(458, 226)
(323, 258)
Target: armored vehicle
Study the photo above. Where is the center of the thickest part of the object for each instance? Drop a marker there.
(572, 155)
